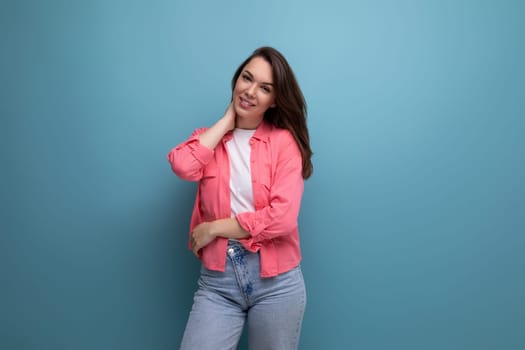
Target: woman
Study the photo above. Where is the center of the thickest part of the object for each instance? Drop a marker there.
(250, 165)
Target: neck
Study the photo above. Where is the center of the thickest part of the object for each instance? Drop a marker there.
(247, 126)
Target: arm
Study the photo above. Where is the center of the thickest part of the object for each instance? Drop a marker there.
(211, 137)
(188, 159)
(206, 232)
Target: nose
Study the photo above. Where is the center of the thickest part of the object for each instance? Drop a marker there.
(252, 89)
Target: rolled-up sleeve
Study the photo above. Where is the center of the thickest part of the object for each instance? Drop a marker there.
(188, 159)
(280, 213)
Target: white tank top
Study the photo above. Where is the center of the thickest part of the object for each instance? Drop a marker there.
(240, 173)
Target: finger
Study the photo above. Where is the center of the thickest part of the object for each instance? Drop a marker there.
(194, 246)
(196, 251)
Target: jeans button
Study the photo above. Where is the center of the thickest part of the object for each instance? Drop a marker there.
(231, 251)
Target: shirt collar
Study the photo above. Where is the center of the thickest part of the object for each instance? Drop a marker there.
(262, 133)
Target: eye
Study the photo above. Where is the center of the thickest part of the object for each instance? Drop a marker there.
(266, 89)
(246, 77)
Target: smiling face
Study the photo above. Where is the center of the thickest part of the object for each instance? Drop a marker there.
(253, 93)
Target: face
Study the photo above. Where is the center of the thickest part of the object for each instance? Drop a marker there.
(253, 93)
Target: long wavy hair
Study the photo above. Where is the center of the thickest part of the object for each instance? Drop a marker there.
(290, 110)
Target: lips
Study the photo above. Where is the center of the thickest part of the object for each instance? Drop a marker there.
(245, 103)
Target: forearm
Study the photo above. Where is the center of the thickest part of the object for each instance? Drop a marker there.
(278, 219)
(229, 228)
(206, 232)
(211, 137)
(188, 158)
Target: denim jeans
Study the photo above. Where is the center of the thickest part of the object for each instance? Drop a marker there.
(272, 308)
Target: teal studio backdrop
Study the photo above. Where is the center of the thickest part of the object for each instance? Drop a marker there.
(412, 225)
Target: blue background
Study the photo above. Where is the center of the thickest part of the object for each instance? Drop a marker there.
(412, 225)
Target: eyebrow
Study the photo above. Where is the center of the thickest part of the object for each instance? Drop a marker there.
(251, 75)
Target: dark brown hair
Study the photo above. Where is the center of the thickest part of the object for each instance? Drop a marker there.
(290, 110)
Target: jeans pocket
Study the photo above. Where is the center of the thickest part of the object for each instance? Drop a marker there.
(207, 277)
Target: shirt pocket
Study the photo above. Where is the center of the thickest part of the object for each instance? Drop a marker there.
(209, 191)
(264, 184)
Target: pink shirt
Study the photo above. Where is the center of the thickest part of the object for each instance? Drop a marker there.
(276, 167)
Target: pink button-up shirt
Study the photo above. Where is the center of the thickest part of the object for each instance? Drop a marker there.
(277, 182)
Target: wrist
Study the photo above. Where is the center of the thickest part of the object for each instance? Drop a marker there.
(227, 122)
(214, 229)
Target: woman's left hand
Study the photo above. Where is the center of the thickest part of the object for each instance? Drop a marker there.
(201, 236)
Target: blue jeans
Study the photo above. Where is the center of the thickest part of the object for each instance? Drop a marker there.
(272, 308)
